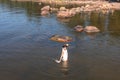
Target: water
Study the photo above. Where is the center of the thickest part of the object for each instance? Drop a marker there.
(26, 53)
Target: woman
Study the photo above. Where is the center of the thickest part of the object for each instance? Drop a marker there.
(64, 54)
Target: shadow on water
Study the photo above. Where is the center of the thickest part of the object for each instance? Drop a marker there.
(26, 53)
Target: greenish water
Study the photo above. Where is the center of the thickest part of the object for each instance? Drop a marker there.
(26, 53)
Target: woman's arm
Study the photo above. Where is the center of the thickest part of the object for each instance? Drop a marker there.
(61, 55)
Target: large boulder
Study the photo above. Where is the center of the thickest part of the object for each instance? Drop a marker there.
(91, 29)
(60, 38)
(78, 28)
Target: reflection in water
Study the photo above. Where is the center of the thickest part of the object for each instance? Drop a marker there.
(87, 19)
(64, 68)
(91, 35)
(106, 26)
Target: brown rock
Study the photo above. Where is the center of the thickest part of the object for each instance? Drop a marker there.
(79, 28)
(45, 8)
(63, 9)
(60, 38)
(91, 29)
(43, 13)
(64, 14)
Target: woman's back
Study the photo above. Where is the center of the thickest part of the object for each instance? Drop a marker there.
(65, 54)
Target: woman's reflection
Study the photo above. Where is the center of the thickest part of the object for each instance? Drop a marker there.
(65, 68)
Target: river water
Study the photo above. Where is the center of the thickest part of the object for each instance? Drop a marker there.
(27, 53)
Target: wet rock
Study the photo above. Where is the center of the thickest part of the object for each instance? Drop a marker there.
(60, 38)
(90, 29)
(78, 28)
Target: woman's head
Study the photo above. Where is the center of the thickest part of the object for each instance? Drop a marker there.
(65, 45)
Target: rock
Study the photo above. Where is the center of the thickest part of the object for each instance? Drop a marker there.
(63, 14)
(60, 38)
(62, 9)
(87, 6)
(44, 13)
(91, 29)
(45, 8)
(40, 3)
(78, 9)
(72, 11)
(79, 28)
(54, 9)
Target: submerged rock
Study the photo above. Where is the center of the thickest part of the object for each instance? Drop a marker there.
(78, 28)
(91, 29)
(60, 38)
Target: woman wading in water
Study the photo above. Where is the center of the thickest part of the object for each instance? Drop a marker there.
(64, 54)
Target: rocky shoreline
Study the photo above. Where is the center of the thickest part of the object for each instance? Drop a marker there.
(63, 12)
(114, 5)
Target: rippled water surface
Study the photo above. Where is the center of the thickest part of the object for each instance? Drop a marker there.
(27, 53)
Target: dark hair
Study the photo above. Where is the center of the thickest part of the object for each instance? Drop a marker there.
(65, 45)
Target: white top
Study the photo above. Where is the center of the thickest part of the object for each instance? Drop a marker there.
(65, 54)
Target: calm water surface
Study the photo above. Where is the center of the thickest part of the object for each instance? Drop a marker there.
(26, 53)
